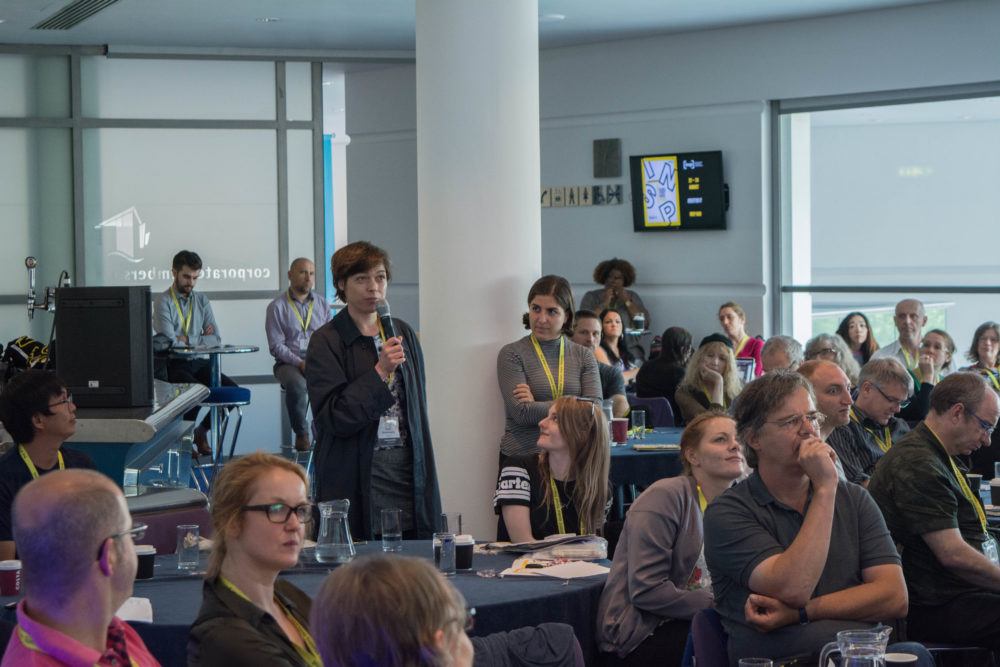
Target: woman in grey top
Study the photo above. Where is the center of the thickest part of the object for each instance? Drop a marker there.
(542, 366)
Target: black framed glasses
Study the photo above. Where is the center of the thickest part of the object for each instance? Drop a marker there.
(62, 401)
(901, 403)
(281, 513)
(982, 422)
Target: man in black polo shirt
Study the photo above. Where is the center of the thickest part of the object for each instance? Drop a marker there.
(39, 414)
(949, 553)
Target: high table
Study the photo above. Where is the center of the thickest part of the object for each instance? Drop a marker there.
(641, 468)
(120, 438)
(501, 604)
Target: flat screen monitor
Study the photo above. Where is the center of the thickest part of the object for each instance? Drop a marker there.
(678, 191)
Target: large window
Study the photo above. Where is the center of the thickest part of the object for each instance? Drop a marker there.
(884, 202)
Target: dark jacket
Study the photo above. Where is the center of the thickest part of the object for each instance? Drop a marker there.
(232, 631)
(348, 396)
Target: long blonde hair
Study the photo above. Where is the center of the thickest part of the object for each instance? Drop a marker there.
(583, 427)
(732, 385)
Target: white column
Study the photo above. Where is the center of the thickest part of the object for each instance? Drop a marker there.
(480, 226)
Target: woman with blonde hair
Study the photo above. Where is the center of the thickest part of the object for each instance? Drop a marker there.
(658, 579)
(391, 610)
(260, 509)
(711, 379)
(564, 488)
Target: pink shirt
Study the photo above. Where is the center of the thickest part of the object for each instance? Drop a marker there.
(35, 644)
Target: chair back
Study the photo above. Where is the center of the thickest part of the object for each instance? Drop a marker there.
(657, 409)
(709, 639)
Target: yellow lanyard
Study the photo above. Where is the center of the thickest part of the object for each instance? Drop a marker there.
(305, 325)
(884, 445)
(992, 375)
(184, 323)
(381, 332)
(308, 652)
(557, 389)
(743, 341)
(910, 363)
(30, 644)
(31, 466)
(963, 484)
(702, 500)
(557, 502)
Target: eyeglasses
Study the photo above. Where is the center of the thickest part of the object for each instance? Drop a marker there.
(986, 425)
(68, 399)
(587, 400)
(814, 419)
(137, 531)
(470, 619)
(901, 403)
(280, 512)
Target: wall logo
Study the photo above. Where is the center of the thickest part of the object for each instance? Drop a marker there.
(124, 235)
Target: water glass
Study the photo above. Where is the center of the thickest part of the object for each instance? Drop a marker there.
(392, 530)
(187, 547)
(444, 553)
(451, 522)
(639, 424)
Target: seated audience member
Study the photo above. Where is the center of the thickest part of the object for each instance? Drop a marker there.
(660, 376)
(909, 320)
(711, 379)
(830, 347)
(39, 414)
(75, 538)
(795, 554)
(949, 554)
(658, 579)
(884, 388)
(260, 509)
(398, 610)
(616, 275)
(587, 332)
(855, 330)
(564, 488)
(780, 353)
(613, 350)
(936, 350)
(985, 360)
(733, 321)
(832, 391)
(292, 318)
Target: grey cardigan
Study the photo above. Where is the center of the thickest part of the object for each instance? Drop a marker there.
(657, 551)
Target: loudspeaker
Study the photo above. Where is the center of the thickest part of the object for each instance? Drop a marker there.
(104, 341)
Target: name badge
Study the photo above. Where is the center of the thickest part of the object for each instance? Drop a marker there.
(303, 346)
(990, 551)
(388, 429)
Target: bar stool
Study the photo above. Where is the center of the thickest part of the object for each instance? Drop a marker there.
(227, 403)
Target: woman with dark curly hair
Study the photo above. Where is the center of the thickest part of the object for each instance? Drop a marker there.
(616, 275)
(857, 333)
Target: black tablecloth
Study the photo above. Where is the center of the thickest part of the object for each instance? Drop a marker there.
(643, 468)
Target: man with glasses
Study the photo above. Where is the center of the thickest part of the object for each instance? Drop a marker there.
(884, 390)
(39, 414)
(949, 553)
(795, 554)
(75, 537)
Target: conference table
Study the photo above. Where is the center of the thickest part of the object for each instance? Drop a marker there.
(501, 603)
(631, 468)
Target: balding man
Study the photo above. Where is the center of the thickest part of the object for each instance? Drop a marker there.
(74, 534)
(909, 319)
(781, 353)
(833, 393)
(292, 317)
(949, 555)
(884, 388)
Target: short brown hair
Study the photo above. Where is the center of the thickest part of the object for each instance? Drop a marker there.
(760, 398)
(973, 353)
(559, 289)
(695, 431)
(965, 387)
(737, 308)
(232, 490)
(604, 269)
(355, 258)
(385, 610)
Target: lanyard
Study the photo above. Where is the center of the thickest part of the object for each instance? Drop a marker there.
(884, 445)
(910, 363)
(992, 375)
(31, 466)
(743, 341)
(184, 323)
(557, 389)
(305, 325)
(963, 484)
(381, 332)
(308, 652)
(702, 500)
(557, 502)
(30, 644)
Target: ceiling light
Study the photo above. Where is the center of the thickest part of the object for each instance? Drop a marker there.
(544, 18)
(267, 19)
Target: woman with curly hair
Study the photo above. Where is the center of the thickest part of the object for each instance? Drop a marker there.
(616, 275)
(857, 333)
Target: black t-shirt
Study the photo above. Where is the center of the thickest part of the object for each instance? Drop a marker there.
(14, 474)
(520, 483)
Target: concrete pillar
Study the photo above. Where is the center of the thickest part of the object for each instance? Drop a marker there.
(480, 226)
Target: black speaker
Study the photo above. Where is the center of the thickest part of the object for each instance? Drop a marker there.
(104, 345)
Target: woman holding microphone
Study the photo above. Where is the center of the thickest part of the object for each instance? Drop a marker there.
(368, 397)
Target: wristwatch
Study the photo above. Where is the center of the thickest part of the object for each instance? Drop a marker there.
(803, 616)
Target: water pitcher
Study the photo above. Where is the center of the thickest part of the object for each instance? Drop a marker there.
(334, 544)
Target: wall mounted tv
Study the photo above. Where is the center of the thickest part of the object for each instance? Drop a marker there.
(678, 191)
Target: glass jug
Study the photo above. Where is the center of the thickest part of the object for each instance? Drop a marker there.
(334, 544)
(859, 648)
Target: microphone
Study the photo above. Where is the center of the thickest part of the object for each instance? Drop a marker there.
(382, 310)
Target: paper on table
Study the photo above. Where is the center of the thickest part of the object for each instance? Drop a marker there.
(571, 570)
(136, 609)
